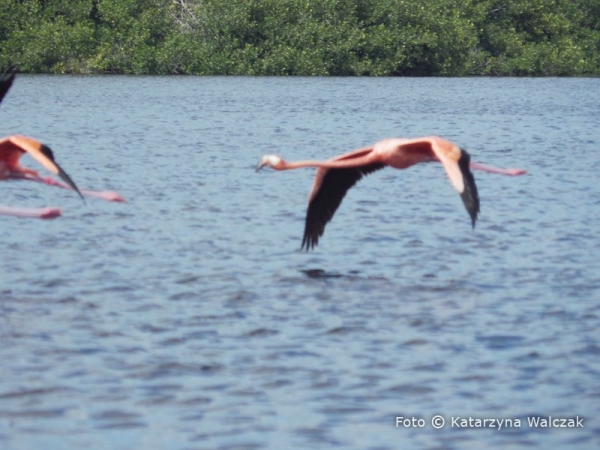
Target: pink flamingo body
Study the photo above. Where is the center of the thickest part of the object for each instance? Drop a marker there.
(15, 146)
(335, 176)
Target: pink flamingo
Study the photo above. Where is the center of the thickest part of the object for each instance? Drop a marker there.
(11, 150)
(336, 175)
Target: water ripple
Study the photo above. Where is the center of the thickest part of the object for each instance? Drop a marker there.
(190, 318)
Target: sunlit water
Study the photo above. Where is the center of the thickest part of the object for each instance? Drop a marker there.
(188, 318)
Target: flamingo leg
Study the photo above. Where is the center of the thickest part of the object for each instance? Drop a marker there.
(109, 196)
(490, 169)
(32, 213)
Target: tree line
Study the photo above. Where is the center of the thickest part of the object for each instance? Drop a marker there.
(303, 37)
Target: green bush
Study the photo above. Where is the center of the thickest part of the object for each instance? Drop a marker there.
(303, 37)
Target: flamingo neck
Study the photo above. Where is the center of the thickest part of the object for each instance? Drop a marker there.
(28, 175)
(353, 162)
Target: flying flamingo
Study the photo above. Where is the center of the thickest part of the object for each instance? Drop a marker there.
(336, 175)
(11, 150)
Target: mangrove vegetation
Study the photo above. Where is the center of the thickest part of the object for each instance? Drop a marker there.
(303, 37)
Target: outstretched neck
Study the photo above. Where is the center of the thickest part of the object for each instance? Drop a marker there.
(355, 162)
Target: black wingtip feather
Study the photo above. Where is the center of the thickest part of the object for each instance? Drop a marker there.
(6, 80)
(469, 195)
(47, 151)
(67, 179)
(323, 206)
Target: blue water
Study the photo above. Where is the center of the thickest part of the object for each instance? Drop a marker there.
(188, 318)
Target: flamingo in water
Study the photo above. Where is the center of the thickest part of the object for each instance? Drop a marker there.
(336, 175)
(11, 150)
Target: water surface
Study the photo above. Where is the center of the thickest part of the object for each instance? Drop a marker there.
(188, 318)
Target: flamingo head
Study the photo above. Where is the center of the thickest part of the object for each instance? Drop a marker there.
(273, 161)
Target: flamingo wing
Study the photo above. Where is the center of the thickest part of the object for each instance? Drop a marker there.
(6, 80)
(456, 164)
(14, 146)
(326, 200)
(469, 195)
